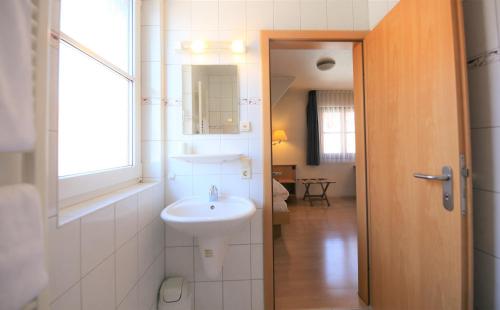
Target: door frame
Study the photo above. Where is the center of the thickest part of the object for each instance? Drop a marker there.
(266, 38)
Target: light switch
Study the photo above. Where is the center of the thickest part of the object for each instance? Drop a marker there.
(244, 126)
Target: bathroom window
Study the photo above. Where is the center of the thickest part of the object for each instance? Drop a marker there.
(97, 90)
(337, 126)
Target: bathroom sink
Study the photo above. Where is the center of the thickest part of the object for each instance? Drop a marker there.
(198, 217)
(213, 223)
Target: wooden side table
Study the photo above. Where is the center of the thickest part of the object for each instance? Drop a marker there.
(323, 183)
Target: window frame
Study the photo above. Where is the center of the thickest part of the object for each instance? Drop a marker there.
(74, 189)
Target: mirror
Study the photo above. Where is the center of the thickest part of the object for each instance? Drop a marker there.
(211, 100)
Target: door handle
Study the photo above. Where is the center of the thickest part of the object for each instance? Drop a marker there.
(432, 177)
(447, 179)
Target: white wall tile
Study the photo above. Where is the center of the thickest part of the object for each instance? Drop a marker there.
(151, 79)
(146, 248)
(127, 264)
(242, 236)
(259, 15)
(237, 295)
(174, 82)
(361, 15)
(150, 43)
(257, 261)
(150, 11)
(179, 261)
(98, 237)
(202, 184)
(287, 14)
(255, 153)
(340, 14)
(52, 177)
(481, 23)
(233, 184)
(178, 15)
(69, 300)
(178, 187)
(150, 283)
(313, 14)
(232, 15)
(484, 95)
(126, 220)
(486, 219)
(151, 121)
(257, 295)
(98, 287)
(175, 238)
(377, 11)
(486, 149)
(252, 57)
(256, 227)
(131, 301)
(145, 207)
(64, 256)
(174, 39)
(256, 190)
(199, 272)
(237, 263)
(208, 296)
(487, 281)
(205, 15)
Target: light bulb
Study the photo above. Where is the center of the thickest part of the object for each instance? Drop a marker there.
(237, 46)
(198, 46)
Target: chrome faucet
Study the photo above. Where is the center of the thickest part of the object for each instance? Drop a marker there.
(213, 194)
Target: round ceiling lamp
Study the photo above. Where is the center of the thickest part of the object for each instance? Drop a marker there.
(325, 64)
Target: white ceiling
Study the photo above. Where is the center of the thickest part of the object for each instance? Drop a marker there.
(301, 64)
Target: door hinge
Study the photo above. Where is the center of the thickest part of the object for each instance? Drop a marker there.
(464, 174)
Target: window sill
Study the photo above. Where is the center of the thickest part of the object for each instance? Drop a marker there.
(82, 209)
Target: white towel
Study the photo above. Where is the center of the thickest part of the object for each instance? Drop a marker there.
(17, 129)
(22, 268)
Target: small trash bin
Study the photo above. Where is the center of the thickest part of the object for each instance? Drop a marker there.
(175, 294)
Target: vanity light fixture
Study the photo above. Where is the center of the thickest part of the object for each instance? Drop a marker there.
(198, 46)
(201, 46)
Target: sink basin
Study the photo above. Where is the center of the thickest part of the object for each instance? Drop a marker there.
(213, 223)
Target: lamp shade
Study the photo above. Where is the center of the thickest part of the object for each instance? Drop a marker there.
(279, 136)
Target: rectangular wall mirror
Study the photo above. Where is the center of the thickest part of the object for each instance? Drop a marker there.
(210, 103)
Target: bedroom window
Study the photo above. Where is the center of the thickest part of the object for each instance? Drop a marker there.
(337, 126)
(97, 113)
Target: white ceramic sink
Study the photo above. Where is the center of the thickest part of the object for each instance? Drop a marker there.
(213, 223)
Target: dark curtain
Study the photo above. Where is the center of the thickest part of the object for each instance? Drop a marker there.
(312, 131)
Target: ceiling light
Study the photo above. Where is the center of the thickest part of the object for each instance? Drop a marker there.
(325, 64)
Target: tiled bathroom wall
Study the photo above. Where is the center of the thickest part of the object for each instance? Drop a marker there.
(112, 258)
(378, 9)
(482, 21)
(240, 285)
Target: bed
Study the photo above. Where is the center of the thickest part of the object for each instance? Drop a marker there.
(281, 214)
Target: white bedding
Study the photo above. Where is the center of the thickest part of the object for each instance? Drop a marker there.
(279, 205)
(279, 191)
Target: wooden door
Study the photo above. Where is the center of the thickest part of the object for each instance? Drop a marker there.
(417, 122)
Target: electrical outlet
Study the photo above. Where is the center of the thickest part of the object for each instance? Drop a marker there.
(246, 169)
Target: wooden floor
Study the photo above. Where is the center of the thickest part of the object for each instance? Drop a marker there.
(315, 260)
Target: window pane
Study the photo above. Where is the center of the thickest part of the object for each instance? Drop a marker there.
(101, 25)
(350, 124)
(332, 121)
(332, 143)
(351, 143)
(94, 115)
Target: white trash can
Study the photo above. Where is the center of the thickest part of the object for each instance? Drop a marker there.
(175, 294)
